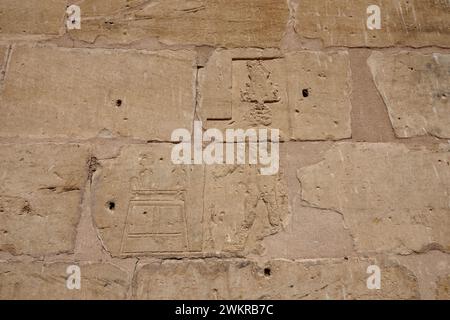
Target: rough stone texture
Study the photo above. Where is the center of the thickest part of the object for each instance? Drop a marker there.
(38, 281)
(392, 198)
(229, 23)
(310, 232)
(141, 210)
(79, 93)
(213, 279)
(28, 17)
(416, 90)
(443, 290)
(431, 269)
(304, 94)
(3, 58)
(415, 23)
(144, 204)
(86, 175)
(40, 196)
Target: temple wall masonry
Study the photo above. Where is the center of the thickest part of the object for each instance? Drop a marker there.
(86, 174)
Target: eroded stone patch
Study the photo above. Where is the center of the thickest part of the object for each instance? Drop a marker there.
(393, 199)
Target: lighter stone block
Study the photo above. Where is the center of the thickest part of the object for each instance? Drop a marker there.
(40, 197)
(83, 93)
(415, 23)
(393, 199)
(416, 90)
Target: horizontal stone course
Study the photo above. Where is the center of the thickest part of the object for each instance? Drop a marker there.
(40, 197)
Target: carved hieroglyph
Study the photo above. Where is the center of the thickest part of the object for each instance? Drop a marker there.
(416, 90)
(304, 94)
(83, 93)
(278, 279)
(392, 198)
(145, 205)
(40, 197)
(403, 22)
(229, 23)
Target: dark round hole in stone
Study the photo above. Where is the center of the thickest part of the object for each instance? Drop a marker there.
(305, 93)
(111, 205)
(118, 102)
(267, 272)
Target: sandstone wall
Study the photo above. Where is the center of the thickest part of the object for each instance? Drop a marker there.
(86, 179)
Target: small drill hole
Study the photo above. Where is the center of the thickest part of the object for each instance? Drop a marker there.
(267, 272)
(305, 93)
(118, 102)
(111, 205)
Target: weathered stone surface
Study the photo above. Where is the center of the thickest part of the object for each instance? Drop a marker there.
(199, 22)
(416, 90)
(309, 232)
(430, 269)
(214, 279)
(40, 197)
(37, 281)
(3, 51)
(145, 205)
(443, 288)
(392, 198)
(25, 18)
(414, 23)
(304, 94)
(242, 207)
(81, 93)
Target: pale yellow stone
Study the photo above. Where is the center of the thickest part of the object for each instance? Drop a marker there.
(229, 23)
(30, 17)
(83, 93)
(277, 279)
(416, 90)
(40, 197)
(414, 23)
(393, 199)
(38, 281)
